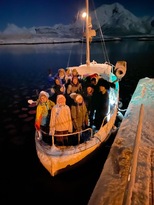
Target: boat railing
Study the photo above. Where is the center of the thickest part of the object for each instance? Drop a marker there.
(73, 138)
(108, 116)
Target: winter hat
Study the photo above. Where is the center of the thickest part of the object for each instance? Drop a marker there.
(104, 83)
(79, 99)
(76, 97)
(61, 70)
(43, 93)
(73, 95)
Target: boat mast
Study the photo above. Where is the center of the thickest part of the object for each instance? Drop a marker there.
(87, 34)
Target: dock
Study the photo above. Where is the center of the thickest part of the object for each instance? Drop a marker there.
(128, 174)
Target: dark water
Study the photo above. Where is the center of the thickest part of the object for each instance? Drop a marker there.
(23, 72)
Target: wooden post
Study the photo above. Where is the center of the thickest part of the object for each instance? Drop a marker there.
(133, 167)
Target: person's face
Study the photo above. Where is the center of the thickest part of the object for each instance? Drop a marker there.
(74, 72)
(93, 82)
(102, 89)
(68, 72)
(89, 90)
(75, 80)
(43, 99)
(61, 73)
(61, 101)
(57, 82)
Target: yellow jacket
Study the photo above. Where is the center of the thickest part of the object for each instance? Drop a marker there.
(43, 112)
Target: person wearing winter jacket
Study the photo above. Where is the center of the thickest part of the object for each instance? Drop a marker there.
(79, 112)
(43, 110)
(60, 120)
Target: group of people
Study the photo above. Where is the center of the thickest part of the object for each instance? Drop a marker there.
(72, 105)
(59, 118)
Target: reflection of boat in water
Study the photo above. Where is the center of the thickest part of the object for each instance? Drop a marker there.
(59, 158)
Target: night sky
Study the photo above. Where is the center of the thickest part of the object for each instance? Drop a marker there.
(29, 13)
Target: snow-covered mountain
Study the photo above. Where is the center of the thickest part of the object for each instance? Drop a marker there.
(116, 20)
(113, 19)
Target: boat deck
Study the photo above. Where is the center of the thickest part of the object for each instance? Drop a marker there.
(128, 173)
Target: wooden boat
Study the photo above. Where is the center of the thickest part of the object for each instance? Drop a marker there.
(57, 159)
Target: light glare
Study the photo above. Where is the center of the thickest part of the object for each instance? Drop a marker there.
(84, 14)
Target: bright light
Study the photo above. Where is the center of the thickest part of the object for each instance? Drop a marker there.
(84, 14)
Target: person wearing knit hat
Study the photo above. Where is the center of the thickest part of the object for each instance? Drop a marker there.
(61, 100)
(79, 113)
(60, 120)
(61, 75)
(44, 93)
(76, 97)
(57, 89)
(74, 86)
(43, 111)
(102, 103)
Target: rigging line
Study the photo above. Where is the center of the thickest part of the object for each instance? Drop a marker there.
(102, 36)
(69, 57)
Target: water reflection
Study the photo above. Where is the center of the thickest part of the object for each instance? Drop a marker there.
(23, 71)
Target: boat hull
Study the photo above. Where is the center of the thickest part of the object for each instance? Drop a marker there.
(57, 159)
(60, 163)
